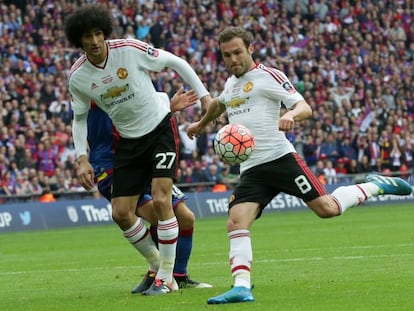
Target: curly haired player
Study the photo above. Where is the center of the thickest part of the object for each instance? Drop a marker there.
(114, 74)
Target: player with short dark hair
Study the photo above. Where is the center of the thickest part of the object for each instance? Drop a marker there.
(253, 97)
(114, 74)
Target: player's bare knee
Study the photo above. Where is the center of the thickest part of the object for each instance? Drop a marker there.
(326, 214)
(327, 211)
(123, 218)
(189, 219)
(233, 224)
(185, 219)
(230, 225)
(161, 201)
(185, 224)
(324, 207)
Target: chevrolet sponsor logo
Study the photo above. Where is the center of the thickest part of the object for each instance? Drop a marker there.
(115, 91)
(234, 103)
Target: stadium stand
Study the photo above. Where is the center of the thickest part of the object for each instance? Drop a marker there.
(352, 60)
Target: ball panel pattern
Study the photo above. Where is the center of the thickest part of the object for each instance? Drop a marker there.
(234, 143)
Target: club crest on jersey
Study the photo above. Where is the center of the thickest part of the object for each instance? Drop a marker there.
(122, 73)
(152, 51)
(248, 87)
(289, 87)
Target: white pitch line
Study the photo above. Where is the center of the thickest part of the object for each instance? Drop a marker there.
(349, 247)
(297, 259)
(324, 249)
(333, 258)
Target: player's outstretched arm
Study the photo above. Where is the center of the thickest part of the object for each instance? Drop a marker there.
(214, 110)
(188, 74)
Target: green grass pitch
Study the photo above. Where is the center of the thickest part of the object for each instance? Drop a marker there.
(363, 260)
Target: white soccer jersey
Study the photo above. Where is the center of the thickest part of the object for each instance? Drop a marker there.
(122, 87)
(254, 100)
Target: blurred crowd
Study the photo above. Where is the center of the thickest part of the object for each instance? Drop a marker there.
(353, 61)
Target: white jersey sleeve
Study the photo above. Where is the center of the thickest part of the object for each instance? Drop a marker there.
(79, 133)
(80, 100)
(186, 72)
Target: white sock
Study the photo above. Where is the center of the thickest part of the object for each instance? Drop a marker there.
(138, 235)
(354, 195)
(241, 257)
(167, 243)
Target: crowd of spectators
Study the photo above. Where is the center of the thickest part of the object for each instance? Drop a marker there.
(353, 61)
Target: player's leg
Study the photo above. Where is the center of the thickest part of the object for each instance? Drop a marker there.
(186, 221)
(167, 233)
(257, 187)
(241, 217)
(145, 210)
(345, 197)
(135, 231)
(144, 243)
(304, 184)
(164, 165)
(185, 218)
(129, 180)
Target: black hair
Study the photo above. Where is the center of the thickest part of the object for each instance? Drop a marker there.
(235, 32)
(86, 19)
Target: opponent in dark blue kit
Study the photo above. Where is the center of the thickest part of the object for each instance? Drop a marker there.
(102, 137)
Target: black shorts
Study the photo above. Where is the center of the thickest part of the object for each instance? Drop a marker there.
(139, 160)
(289, 174)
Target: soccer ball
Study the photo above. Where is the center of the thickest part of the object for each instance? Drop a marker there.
(234, 143)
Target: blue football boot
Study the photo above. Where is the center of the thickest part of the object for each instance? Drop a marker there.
(236, 294)
(390, 185)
